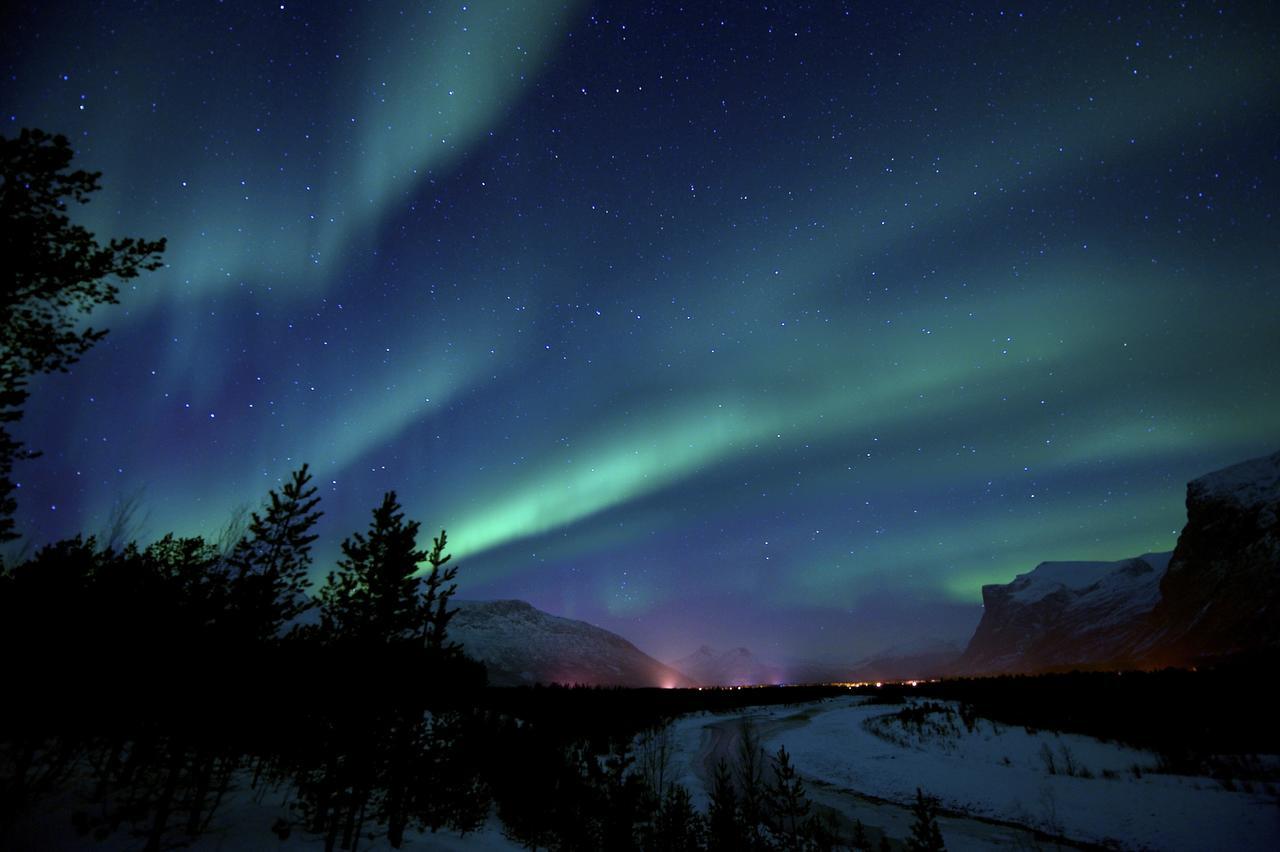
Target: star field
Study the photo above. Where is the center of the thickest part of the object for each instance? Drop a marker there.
(786, 327)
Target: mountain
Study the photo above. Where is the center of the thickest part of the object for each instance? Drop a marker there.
(1065, 614)
(1221, 594)
(917, 661)
(736, 667)
(520, 645)
(1216, 594)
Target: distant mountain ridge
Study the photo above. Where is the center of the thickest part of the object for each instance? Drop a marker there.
(917, 661)
(1217, 593)
(735, 667)
(522, 645)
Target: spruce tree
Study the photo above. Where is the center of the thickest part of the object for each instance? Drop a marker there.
(786, 803)
(751, 786)
(373, 596)
(925, 834)
(724, 830)
(440, 588)
(622, 795)
(679, 826)
(860, 841)
(270, 565)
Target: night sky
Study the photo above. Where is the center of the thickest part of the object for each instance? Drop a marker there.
(787, 326)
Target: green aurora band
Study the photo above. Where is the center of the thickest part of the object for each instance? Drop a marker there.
(616, 315)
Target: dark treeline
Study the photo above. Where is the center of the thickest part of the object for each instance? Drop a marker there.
(147, 686)
(1189, 717)
(157, 678)
(151, 685)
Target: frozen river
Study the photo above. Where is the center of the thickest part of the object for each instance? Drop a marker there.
(998, 786)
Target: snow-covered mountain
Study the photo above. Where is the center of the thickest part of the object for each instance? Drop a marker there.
(918, 660)
(520, 645)
(1217, 593)
(735, 667)
(1065, 614)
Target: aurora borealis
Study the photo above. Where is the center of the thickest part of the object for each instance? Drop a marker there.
(779, 326)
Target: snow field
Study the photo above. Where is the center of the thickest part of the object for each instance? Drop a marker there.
(1002, 773)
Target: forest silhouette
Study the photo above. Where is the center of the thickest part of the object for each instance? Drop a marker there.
(154, 681)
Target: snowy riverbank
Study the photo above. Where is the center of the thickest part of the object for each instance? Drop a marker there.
(990, 779)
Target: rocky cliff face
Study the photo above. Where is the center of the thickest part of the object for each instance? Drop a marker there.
(520, 644)
(1217, 593)
(1221, 593)
(1065, 614)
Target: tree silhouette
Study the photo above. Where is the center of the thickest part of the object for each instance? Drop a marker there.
(679, 827)
(751, 782)
(440, 588)
(925, 834)
(788, 807)
(373, 596)
(270, 564)
(55, 273)
(724, 827)
(859, 840)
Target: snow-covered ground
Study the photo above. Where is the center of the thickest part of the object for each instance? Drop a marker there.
(243, 823)
(994, 785)
(989, 780)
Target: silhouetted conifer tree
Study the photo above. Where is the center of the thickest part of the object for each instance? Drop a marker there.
(55, 273)
(925, 834)
(187, 599)
(444, 785)
(623, 796)
(403, 759)
(527, 772)
(860, 842)
(373, 596)
(440, 588)
(270, 565)
(786, 803)
(679, 828)
(751, 787)
(724, 824)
